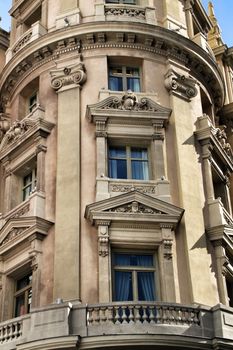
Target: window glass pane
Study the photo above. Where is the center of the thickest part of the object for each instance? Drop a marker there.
(121, 259)
(139, 170)
(133, 84)
(117, 152)
(27, 191)
(117, 169)
(29, 299)
(146, 286)
(123, 286)
(115, 83)
(117, 163)
(27, 179)
(139, 153)
(19, 306)
(24, 282)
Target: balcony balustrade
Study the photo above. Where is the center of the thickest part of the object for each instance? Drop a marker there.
(35, 32)
(142, 318)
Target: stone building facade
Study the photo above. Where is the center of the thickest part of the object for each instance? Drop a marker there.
(116, 164)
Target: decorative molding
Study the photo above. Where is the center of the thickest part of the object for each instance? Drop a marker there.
(127, 188)
(18, 128)
(125, 11)
(135, 207)
(103, 238)
(75, 74)
(24, 209)
(14, 233)
(180, 85)
(160, 41)
(101, 127)
(129, 102)
(20, 133)
(214, 141)
(23, 41)
(167, 249)
(5, 124)
(24, 229)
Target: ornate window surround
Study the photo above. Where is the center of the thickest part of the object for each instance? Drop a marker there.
(20, 251)
(129, 118)
(23, 144)
(216, 150)
(131, 221)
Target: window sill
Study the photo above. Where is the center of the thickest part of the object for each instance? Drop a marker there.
(107, 187)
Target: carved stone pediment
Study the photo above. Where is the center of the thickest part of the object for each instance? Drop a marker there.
(134, 206)
(16, 231)
(128, 108)
(21, 131)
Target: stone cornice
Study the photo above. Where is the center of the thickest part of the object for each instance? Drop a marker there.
(153, 39)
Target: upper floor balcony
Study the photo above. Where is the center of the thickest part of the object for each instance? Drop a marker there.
(34, 32)
(73, 324)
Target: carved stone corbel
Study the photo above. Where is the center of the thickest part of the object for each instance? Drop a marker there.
(70, 75)
(167, 249)
(180, 85)
(103, 238)
(101, 127)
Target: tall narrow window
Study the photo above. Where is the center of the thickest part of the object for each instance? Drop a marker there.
(23, 295)
(124, 78)
(134, 277)
(127, 162)
(29, 184)
(32, 102)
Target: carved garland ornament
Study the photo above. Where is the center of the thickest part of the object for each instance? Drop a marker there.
(67, 76)
(125, 11)
(180, 85)
(17, 129)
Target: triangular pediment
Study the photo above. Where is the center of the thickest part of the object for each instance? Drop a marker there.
(18, 230)
(134, 205)
(128, 105)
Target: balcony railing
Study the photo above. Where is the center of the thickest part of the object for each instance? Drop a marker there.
(35, 32)
(148, 313)
(11, 331)
(68, 320)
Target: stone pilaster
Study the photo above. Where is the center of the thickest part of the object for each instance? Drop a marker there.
(67, 81)
(104, 261)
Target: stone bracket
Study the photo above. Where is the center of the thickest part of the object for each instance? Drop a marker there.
(180, 85)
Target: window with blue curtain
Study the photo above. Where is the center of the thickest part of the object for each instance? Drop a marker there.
(134, 277)
(127, 162)
(122, 78)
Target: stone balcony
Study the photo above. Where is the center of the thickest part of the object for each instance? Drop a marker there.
(33, 206)
(35, 32)
(124, 12)
(67, 325)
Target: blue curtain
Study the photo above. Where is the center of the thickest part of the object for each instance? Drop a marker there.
(146, 289)
(133, 84)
